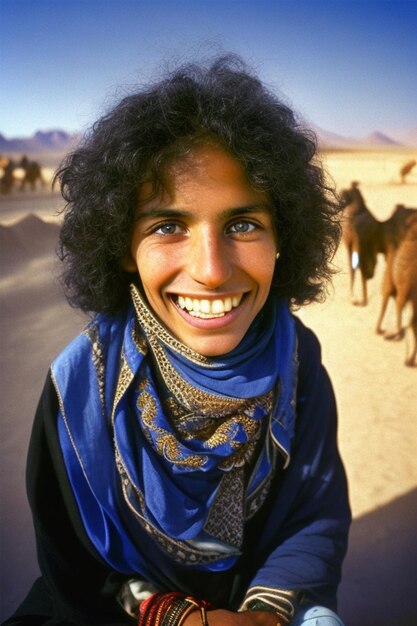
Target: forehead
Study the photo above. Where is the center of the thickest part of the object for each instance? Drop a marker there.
(206, 169)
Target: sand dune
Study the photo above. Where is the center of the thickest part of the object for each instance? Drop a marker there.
(25, 242)
(376, 393)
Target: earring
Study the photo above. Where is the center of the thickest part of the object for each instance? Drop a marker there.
(277, 256)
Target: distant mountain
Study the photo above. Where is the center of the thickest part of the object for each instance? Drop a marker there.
(379, 139)
(57, 140)
(405, 137)
(327, 139)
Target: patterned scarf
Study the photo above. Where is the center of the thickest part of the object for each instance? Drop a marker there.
(169, 452)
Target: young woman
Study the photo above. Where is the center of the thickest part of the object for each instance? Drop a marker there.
(183, 467)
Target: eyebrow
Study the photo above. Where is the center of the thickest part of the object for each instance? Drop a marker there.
(166, 212)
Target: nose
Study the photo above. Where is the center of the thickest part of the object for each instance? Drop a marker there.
(209, 259)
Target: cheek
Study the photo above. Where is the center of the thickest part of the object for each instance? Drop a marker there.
(267, 277)
(265, 284)
(262, 267)
(155, 264)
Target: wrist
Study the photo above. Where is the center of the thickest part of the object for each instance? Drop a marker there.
(172, 609)
(263, 618)
(281, 602)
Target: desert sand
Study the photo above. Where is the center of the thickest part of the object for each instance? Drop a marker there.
(376, 394)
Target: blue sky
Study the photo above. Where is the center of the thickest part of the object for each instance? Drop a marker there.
(350, 66)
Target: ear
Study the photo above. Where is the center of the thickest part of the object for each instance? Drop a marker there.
(128, 263)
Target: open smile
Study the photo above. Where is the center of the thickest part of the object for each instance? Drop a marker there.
(204, 308)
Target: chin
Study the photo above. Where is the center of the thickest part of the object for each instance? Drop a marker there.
(213, 348)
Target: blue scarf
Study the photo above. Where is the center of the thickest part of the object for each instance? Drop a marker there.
(160, 442)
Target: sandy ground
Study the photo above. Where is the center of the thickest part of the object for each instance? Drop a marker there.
(377, 396)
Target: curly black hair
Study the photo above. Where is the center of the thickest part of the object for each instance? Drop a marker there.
(224, 102)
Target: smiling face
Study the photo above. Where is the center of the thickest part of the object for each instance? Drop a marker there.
(204, 249)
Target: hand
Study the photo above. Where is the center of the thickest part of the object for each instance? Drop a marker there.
(220, 617)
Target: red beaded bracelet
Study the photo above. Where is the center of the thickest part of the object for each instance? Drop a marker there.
(171, 609)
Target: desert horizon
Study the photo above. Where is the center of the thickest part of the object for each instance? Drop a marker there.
(376, 393)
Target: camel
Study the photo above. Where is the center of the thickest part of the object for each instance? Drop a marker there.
(393, 232)
(361, 238)
(406, 169)
(33, 173)
(403, 284)
(7, 180)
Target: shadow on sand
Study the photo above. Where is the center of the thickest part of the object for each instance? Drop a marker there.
(380, 571)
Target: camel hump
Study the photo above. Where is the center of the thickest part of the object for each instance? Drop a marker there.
(411, 220)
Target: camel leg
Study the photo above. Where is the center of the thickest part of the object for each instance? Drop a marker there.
(399, 333)
(364, 300)
(352, 285)
(387, 290)
(410, 361)
(384, 304)
(351, 272)
(364, 290)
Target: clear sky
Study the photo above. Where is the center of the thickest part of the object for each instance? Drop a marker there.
(350, 66)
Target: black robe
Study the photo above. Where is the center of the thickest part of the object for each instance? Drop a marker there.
(78, 588)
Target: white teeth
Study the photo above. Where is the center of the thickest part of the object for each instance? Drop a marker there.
(188, 304)
(217, 306)
(205, 316)
(208, 308)
(205, 306)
